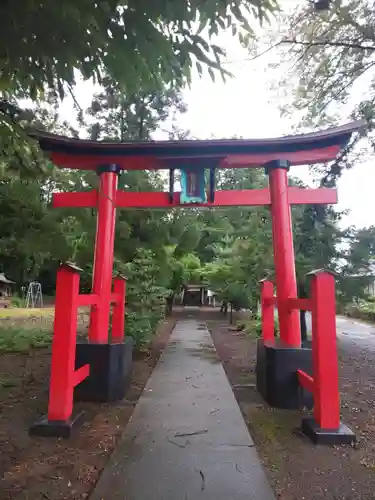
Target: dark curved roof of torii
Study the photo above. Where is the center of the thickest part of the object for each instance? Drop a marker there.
(309, 148)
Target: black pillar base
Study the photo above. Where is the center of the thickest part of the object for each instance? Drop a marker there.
(110, 371)
(342, 435)
(276, 372)
(55, 428)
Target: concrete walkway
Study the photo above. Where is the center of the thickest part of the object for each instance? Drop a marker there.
(187, 439)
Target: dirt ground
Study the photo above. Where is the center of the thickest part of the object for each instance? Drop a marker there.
(37, 469)
(297, 469)
(55, 469)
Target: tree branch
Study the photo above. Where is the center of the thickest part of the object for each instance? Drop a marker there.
(257, 56)
(73, 96)
(327, 43)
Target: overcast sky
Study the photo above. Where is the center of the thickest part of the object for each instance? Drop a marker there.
(246, 106)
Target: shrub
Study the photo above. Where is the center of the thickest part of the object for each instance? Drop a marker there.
(253, 325)
(145, 296)
(22, 339)
(363, 310)
(17, 301)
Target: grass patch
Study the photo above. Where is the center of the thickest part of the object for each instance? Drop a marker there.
(273, 425)
(22, 339)
(267, 423)
(268, 429)
(253, 329)
(18, 312)
(252, 326)
(6, 383)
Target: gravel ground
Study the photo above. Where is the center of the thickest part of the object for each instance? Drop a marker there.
(296, 468)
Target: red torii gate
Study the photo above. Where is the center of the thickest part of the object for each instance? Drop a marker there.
(108, 159)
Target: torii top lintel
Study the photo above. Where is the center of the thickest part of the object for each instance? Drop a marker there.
(304, 149)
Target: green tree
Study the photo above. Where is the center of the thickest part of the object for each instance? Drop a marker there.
(327, 58)
(164, 239)
(317, 239)
(38, 238)
(19, 156)
(327, 64)
(33, 237)
(182, 268)
(145, 295)
(46, 47)
(236, 244)
(137, 43)
(358, 266)
(118, 116)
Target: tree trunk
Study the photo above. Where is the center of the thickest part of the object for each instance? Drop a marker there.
(231, 314)
(169, 305)
(224, 308)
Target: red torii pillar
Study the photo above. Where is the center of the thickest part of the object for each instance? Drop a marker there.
(278, 361)
(283, 250)
(109, 354)
(105, 200)
(104, 252)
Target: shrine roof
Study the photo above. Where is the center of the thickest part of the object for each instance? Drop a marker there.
(4, 280)
(315, 147)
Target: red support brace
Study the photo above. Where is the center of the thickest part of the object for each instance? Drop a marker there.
(80, 374)
(85, 199)
(88, 299)
(118, 309)
(305, 381)
(324, 351)
(267, 311)
(299, 304)
(64, 377)
(270, 301)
